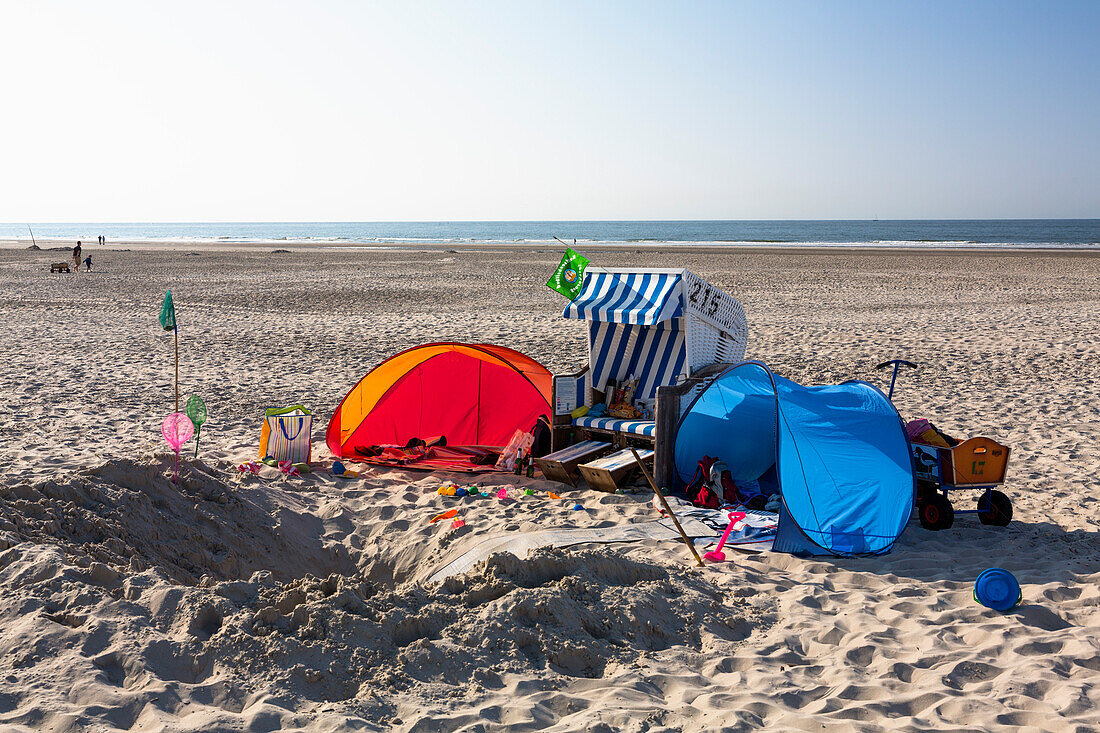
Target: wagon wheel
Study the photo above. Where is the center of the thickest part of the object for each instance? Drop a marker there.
(994, 508)
(936, 512)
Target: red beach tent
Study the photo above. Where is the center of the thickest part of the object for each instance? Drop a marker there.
(472, 394)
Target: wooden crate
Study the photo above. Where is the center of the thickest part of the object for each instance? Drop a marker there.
(610, 472)
(978, 462)
(975, 462)
(562, 465)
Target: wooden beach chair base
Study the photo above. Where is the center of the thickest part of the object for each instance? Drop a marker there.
(611, 472)
(562, 465)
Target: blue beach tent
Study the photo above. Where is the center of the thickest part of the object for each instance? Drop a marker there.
(840, 454)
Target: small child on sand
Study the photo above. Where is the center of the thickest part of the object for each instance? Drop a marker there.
(88, 263)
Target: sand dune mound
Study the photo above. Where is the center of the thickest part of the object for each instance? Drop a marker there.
(218, 597)
(571, 613)
(130, 514)
(151, 647)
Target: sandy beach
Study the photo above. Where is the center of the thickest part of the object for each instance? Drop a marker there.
(265, 603)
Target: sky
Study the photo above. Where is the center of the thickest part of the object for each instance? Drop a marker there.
(410, 111)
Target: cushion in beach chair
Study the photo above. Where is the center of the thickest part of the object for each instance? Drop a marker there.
(642, 428)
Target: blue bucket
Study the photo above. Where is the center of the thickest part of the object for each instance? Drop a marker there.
(998, 589)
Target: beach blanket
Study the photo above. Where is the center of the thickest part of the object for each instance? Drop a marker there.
(432, 458)
(754, 533)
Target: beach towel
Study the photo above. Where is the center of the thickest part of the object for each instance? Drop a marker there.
(466, 459)
(753, 534)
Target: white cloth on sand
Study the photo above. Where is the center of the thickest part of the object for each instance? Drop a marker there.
(521, 544)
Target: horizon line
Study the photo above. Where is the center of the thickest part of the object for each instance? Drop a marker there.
(531, 221)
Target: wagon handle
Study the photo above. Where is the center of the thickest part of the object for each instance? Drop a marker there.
(893, 378)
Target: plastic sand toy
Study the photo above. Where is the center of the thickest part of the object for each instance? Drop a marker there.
(445, 515)
(998, 589)
(716, 555)
(340, 471)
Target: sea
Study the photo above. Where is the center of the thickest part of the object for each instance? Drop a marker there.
(1012, 233)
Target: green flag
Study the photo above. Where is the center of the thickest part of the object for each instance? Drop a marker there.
(168, 313)
(569, 277)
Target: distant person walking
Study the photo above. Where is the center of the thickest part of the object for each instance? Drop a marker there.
(76, 255)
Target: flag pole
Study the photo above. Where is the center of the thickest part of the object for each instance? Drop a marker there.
(176, 330)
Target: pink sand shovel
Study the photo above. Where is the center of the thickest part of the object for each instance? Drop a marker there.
(177, 429)
(716, 555)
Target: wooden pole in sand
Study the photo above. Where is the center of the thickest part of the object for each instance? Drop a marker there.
(690, 544)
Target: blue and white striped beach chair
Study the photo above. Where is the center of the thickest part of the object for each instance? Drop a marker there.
(668, 328)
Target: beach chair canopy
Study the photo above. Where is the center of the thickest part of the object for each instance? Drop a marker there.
(840, 454)
(655, 324)
(473, 394)
(637, 297)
